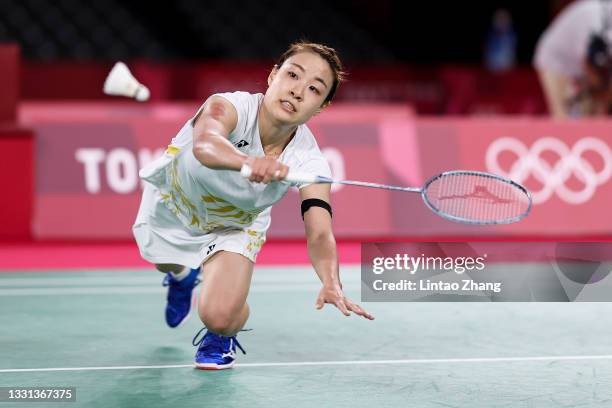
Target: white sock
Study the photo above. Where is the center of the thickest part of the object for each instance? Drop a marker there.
(182, 274)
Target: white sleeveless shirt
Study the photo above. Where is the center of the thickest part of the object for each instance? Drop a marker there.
(206, 200)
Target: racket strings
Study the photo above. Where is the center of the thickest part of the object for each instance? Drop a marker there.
(477, 198)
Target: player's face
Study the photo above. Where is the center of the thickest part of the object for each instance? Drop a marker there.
(298, 88)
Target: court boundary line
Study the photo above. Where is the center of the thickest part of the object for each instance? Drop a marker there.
(329, 363)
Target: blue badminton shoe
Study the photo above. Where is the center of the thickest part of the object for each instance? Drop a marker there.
(215, 352)
(180, 297)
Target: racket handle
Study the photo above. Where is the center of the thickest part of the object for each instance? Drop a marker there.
(245, 171)
(294, 177)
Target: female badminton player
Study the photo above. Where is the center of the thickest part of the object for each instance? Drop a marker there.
(199, 213)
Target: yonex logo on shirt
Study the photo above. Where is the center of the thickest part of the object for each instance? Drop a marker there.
(210, 248)
(241, 143)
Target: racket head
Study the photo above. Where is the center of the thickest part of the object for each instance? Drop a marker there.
(475, 197)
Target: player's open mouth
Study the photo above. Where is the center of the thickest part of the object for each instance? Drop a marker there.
(288, 106)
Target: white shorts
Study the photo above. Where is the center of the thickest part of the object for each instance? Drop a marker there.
(162, 238)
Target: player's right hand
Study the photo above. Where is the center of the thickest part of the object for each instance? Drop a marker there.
(266, 169)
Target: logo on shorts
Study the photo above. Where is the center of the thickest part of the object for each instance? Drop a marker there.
(571, 163)
(241, 143)
(210, 248)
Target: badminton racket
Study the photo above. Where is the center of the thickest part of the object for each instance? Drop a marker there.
(469, 197)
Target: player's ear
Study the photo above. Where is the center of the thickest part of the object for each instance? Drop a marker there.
(272, 74)
(323, 106)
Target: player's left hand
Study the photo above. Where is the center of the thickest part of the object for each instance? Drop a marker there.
(333, 294)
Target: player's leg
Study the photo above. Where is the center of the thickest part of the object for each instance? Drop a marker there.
(153, 222)
(173, 268)
(180, 281)
(222, 308)
(222, 304)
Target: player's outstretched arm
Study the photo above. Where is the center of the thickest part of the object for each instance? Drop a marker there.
(211, 128)
(323, 254)
(211, 147)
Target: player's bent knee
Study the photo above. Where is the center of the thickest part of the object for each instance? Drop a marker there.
(218, 321)
(221, 325)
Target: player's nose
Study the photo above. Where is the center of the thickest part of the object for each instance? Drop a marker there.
(297, 94)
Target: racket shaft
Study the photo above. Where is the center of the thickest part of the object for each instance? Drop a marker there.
(299, 177)
(376, 185)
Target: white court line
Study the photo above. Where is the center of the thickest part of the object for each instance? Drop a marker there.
(133, 281)
(288, 276)
(83, 280)
(135, 290)
(332, 363)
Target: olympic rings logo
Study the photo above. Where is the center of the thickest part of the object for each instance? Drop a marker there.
(554, 178)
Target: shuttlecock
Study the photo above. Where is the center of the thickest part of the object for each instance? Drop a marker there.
(120, 81)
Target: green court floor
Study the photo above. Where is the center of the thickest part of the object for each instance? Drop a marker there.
(103, 332)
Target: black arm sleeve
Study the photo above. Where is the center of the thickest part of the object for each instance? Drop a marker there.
(315, 202)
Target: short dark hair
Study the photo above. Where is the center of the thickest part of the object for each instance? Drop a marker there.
(598, 53)
(327, 53)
